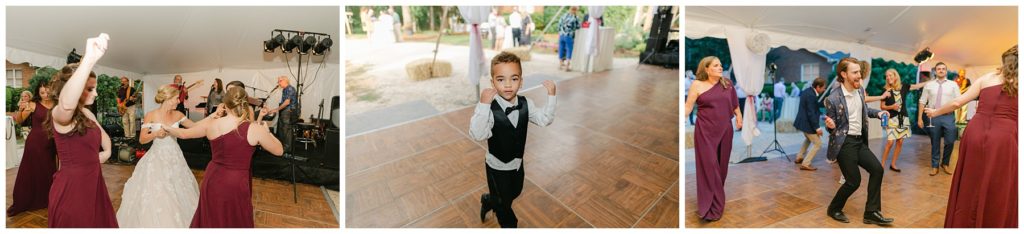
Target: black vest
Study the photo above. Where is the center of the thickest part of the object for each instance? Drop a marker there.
(508, 142)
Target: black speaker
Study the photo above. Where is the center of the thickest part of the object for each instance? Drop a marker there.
(332, 144)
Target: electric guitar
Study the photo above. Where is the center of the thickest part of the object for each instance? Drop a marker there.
(122, 104)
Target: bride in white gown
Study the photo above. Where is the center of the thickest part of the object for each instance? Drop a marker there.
(162, 191)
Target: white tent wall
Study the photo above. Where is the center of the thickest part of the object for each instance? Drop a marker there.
(322, 87)
(17, 56)
(696, 29)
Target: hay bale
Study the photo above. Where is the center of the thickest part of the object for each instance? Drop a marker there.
(522, 52)
(786, 126)
(420, 69)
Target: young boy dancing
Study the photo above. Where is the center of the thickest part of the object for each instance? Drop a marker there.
(500, 118)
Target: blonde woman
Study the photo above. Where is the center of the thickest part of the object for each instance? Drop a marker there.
(225, 198)
(162, 191)
(716, 98)
(899, 125)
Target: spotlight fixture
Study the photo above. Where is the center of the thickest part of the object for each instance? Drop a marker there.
(324, 45)
(924, 55)
(307, 44)
(74, 57)
(290, 45)
(270, 45)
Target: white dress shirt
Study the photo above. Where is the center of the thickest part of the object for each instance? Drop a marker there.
(854, 111)
(515, 20)
(780, 90)
(931, 94)
(483, 120)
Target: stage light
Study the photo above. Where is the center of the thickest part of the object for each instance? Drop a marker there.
(307, 44)
(74, 57)
(270, 45)
(292, 43)
(924, 55)
(324, 45)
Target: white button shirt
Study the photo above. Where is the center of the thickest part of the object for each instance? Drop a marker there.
(483, 120)
(930, 96)
(854, 111)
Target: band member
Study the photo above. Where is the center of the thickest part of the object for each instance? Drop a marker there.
(183, 92)
(126, 106)
(288, 109)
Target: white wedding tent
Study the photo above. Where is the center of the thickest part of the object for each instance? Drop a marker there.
(965, 37)
(200, 43)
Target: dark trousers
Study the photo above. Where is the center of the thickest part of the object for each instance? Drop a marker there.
(503, 188)
(517, 33)
(943, 132)
(853, 154)
(285, 119)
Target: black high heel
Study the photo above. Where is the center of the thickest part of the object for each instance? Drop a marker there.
(894, 169)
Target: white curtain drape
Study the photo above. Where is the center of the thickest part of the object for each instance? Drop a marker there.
(593, 37)
(749, 69)
(474, 16)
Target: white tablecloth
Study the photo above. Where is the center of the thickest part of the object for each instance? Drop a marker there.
(604, 57)
(10, 132)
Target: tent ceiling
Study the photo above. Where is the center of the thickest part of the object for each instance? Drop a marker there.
(967, 35)
(159, 40)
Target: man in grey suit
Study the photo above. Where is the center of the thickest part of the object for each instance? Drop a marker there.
(846, 122)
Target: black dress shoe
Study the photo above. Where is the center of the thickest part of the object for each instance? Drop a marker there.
(877, 218)
(484, 207)
(838, 216)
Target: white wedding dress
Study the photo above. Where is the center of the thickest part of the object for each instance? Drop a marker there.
(162, 191)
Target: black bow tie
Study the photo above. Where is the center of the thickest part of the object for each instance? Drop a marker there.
(511, 108)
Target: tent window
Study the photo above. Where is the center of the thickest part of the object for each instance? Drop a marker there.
(14, 78)
(808, 71)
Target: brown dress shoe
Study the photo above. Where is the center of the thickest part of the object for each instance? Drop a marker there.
(807, 168)
(799, 161)
(946, 170)
(934, 171)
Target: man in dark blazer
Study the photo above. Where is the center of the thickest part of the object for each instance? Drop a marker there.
(847, 122)
(807, 122)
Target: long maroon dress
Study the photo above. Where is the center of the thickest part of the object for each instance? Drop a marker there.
(78, 197)
(713, 143)
(984, 189)
(35, 174)
(225, 196)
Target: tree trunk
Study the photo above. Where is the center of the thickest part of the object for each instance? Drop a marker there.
(430, 17)
(407, 20)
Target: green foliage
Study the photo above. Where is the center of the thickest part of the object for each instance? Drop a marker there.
(697, 49)
(13, 96)
(106, 88)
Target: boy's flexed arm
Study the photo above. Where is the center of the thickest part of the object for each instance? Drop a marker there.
(482, 121)
(547, 115)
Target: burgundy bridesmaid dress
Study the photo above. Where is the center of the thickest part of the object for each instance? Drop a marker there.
(78, 197)
(225, 196)
(984, 189)
(35, 174)
(713, 144)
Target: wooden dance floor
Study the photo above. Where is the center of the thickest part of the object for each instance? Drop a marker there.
(776, 193)
(610, 159)
(272, 201)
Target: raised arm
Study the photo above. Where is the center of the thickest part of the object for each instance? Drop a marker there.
(68, 100)
(186, 133)
(547, 114)
(971, 94)
(261, 133)
(482, 121)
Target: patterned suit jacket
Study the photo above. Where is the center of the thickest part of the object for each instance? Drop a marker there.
(835, 108)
